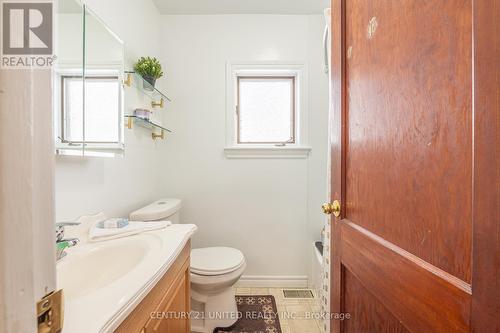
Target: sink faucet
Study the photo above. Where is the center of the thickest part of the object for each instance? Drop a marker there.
(61, 242)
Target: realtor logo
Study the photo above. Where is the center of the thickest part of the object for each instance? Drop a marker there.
(27, 34)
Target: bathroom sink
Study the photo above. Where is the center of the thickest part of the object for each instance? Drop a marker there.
(96, 265)
(105, 280)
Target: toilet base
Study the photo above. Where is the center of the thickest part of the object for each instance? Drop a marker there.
(213, 310)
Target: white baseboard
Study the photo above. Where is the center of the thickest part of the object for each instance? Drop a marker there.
(270, 281)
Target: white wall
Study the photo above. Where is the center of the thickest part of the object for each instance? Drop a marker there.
(117, 186)
(270, 209)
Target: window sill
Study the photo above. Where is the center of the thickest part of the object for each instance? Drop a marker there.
(300, 152)
(91, 150)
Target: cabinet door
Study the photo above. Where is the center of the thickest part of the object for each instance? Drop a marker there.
(171, 293)
(174, 309)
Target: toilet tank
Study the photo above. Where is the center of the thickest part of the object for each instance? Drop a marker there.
(160, 210)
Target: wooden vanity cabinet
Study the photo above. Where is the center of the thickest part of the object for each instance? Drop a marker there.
(166, 308)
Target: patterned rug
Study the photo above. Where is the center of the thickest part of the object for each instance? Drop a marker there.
(258, 314)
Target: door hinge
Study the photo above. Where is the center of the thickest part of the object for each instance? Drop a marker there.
(50, 312)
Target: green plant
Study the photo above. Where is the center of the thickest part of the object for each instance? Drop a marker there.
(148, 67)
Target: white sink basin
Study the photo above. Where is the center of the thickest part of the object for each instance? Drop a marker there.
(94, 266)
(104, 281)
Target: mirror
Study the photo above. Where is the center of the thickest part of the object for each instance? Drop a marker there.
(68, 105)
(88, 80)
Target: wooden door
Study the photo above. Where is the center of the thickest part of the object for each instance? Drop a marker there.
(415, 165)
(27, 214)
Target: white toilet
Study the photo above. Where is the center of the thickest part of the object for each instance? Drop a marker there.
(214, 271)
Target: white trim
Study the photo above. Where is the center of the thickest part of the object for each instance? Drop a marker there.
(240, 152)
(300, 148)
(94, 150)
(273, 281)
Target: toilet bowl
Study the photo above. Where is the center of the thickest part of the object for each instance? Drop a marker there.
(214, 271)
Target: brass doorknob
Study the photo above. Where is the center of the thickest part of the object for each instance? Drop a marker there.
(332, 208)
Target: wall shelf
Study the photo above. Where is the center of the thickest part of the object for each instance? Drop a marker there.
(157, 97)
(147, 124)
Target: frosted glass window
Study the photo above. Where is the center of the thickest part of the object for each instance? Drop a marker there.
(102, 109)
(266, 110)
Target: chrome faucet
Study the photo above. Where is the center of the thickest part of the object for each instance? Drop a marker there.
(61, 242)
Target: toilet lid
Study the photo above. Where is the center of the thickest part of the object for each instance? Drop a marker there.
(216, 260)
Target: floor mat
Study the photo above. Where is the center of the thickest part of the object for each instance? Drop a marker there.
(258, 314)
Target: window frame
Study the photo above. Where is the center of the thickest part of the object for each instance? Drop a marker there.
(293, 115)
(234, 148)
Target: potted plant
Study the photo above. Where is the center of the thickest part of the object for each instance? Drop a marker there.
(150, 70)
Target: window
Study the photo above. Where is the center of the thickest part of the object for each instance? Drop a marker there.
(102, 110)
(266, 110)
(266, 113)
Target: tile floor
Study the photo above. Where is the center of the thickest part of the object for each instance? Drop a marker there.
(295, 314)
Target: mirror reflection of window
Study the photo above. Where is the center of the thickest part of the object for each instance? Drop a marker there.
(88, 83)
(102, 109)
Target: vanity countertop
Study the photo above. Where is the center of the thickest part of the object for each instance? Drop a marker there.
(104, 281)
